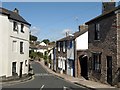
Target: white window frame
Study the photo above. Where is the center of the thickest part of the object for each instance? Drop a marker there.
(64, 46)
(15, 26)
(14, 46)
(59, 46)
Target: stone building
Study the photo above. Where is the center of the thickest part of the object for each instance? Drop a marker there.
(104, 45)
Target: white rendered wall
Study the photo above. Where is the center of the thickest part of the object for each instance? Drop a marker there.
(3, 44)
(82, 42)
(7, 56)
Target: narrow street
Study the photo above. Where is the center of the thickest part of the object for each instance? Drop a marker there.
(43, 80)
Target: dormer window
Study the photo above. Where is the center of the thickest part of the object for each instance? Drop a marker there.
(22, 27)
(15, 26)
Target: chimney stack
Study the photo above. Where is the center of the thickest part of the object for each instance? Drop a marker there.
(106, 6)
(82, 27)
(16, 10)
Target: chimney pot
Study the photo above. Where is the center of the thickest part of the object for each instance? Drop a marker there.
(16, 10)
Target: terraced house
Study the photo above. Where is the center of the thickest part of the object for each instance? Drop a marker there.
(67, 49)
(14, 44)
(104, 45)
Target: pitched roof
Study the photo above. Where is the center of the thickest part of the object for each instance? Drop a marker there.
(14, 16)
(103, 15)
(75, 35)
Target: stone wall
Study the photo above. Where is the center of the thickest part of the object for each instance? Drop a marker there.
(107, 45)
(61, 54)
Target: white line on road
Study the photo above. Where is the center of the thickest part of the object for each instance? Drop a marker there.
(42, 87)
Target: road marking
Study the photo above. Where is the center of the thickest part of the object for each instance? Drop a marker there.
(43, 74)
(42, 87)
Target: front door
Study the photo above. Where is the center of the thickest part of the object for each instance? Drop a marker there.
(21, 64)
(109, 69)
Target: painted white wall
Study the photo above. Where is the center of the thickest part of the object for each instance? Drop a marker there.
(42, 50)
(82, 42)
(42, 44)
(7, 56)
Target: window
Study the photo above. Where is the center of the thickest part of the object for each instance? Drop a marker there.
(97, 62)
(64, 46)
(58, 46)
(22, 27)
(14, 45)
(70, 44)
(25, 62)
(21, 48)
(15, 26)
(97, 31)
(13, 68)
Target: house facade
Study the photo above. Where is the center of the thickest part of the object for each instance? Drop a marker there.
(70, 47)
(61, 56)
(81, 66)
(104, 45)
(14, 44)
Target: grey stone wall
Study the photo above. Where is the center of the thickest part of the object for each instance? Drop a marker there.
(107, 45)
(61, 54)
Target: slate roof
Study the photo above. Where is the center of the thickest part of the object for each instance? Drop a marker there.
(14, 16)
(104, 14)
(75, 35)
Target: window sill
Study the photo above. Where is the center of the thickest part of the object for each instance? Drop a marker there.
(96, 71)
(15, 30)
(22, 31)
(21, 52)
(97, 40)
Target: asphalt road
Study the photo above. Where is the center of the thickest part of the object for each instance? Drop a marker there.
(44, 80)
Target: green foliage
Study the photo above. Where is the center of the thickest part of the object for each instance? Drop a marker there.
(33, 38)
(35, 55)
(46, 41)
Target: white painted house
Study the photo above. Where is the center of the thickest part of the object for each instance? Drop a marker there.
(14, 43)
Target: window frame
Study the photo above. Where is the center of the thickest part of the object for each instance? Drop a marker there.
(22, 28)
(97, 32)
(15, 26)
(21, 48)
(14, 46)
(58, 46)
(64, 45)
(26, 62)
(96, 58)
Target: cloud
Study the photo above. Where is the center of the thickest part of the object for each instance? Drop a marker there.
(34, 30)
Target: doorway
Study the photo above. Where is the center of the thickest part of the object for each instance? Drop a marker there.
(109, 69)
(84, 66)
(13, 68)
(21, 64)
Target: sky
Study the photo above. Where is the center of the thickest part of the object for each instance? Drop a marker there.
(50, 20)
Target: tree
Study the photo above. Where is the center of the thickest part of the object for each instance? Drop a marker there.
(46, 41)
(33, 38)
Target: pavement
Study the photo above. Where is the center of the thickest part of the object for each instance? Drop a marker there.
(16, 80)
(80, 81)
